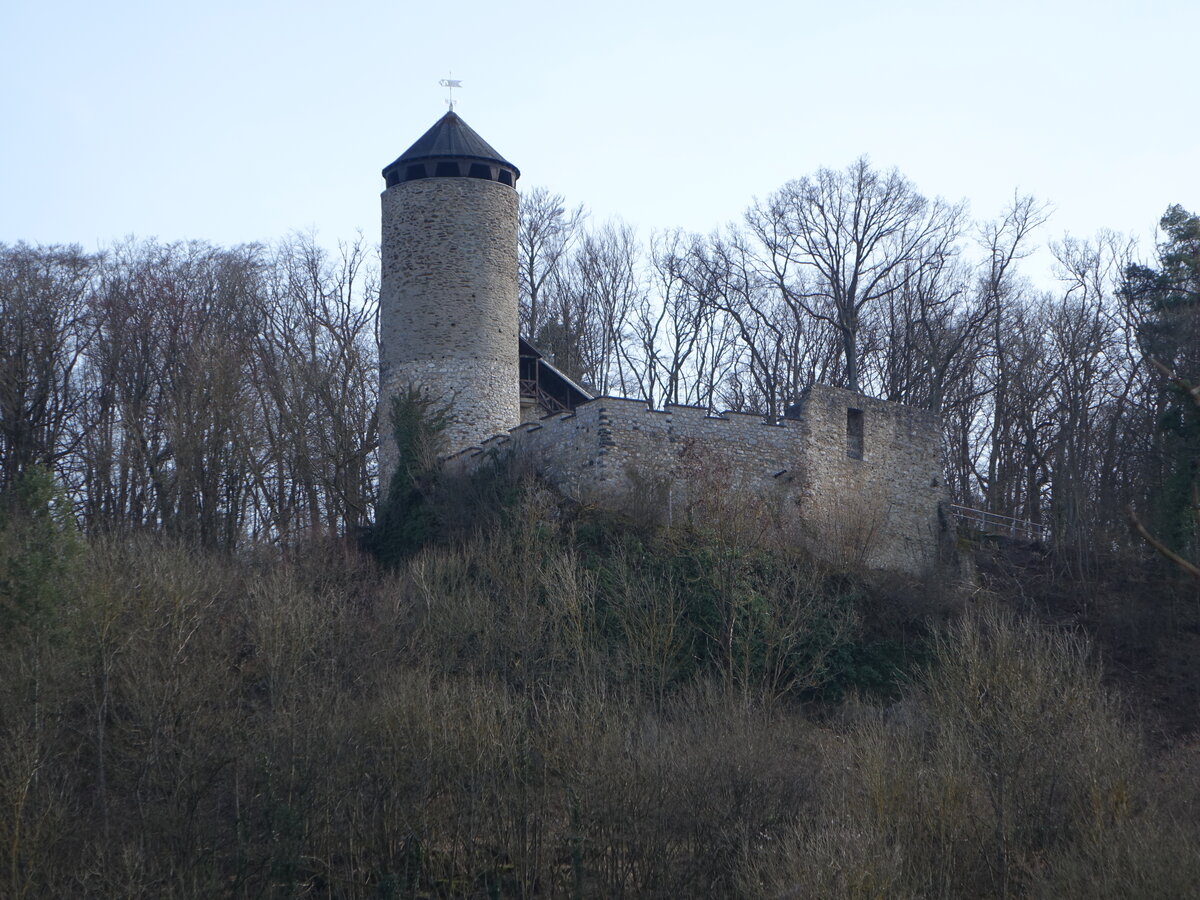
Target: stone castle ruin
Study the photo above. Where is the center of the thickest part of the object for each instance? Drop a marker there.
(857, 480)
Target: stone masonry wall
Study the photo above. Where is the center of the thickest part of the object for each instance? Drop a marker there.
(880, 510)
(448, 304)
(793, 480)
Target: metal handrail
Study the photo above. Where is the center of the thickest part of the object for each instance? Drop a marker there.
(994, 523)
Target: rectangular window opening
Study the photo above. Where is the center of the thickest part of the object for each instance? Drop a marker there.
(854, 433)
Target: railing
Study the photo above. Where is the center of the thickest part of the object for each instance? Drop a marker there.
(530, 388)
(994, 523)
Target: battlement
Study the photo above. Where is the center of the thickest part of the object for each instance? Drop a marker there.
(857, 479)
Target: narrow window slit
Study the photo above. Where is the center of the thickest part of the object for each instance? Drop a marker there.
(854, 433)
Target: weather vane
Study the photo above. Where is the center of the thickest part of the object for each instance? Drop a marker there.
(450, 84)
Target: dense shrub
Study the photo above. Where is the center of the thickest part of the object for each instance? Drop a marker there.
(557, 704)
(1007, 772)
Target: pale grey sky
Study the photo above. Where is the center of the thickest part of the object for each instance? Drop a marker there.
(242, 121)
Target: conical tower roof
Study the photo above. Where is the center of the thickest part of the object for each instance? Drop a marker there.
(450, 138)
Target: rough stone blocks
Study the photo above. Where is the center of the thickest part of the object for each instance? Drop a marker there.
(857, 480)
(448, 304)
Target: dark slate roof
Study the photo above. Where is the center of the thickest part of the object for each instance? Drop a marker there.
(451, 137)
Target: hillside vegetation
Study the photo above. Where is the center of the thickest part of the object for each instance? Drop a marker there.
(541, 701)
(228, 669)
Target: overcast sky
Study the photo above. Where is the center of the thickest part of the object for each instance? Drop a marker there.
(244, 121)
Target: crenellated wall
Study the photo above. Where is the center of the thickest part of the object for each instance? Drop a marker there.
(798, 479)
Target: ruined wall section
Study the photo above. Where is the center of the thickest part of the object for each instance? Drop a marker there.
(683, 465)
(797, 480)
(564, 448)
(448, 304)
(675, 465)
(880, 510)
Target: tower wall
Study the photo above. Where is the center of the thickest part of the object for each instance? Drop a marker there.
(448, 305)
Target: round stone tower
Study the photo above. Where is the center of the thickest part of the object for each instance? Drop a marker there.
(448, 295)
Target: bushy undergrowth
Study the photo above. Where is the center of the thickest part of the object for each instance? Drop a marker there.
(562, 706)
(1007, 771)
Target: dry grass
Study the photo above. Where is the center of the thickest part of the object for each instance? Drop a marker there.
(544, 713)
(1008, 772)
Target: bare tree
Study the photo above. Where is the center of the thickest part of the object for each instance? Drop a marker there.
(1093, 393)
(722, 273)
(546, 230)
(680, 349)
(169, 371)
(44, 331)
(926, 333)
(838, 242)
(608, 286)
(230, 394)
(314, 375)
